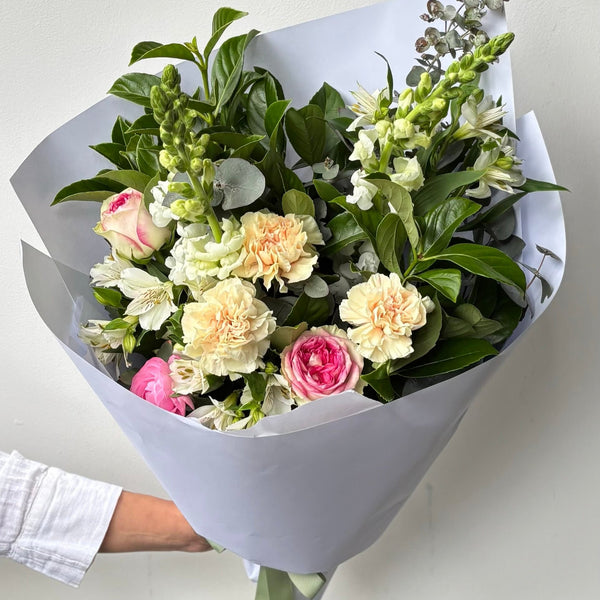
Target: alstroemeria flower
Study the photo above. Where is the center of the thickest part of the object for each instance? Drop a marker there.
(482, 119)
(152, 299)
(369, 107)
(501, 170)
(108, 273)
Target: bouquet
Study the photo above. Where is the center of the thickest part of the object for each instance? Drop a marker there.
(303, 264)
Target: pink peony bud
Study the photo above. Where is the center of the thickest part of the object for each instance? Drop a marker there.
(153, 383)
(127, 225)
(321, 362)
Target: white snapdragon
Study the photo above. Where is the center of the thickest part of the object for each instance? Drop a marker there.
(197, 256)
(364, 149)
(407, 173)
(152, 299)
(160, 209)
(363, 192)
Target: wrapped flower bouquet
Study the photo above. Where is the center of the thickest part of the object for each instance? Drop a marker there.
(296, 290)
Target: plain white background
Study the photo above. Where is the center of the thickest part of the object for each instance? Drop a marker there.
(509, 509)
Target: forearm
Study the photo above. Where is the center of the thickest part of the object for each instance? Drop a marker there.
(146, 523)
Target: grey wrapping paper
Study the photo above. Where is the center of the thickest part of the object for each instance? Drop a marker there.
(304, 491)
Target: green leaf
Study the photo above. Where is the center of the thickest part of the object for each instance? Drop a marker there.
(471, 315)
(306, 131)
(112, 152)
(438, 188)
(390, 75)
(274, 115)
(345, 231)
(504, 226)
(261, 95)
(423, 340)
(442, 222)
(145, 50)
(367, 220)
(148, 197)
(228, 65)
(445, 281)
(379, 380)
(329, 100)
(297, 203)
(278, 177)
(108, 296)
(199, 106)
(284, 336)
(147, 157)
(221, 21)
(485, 262)
(314, 311)
(391, 237)
(532, 185)
(116, 324)
(451, 355)
(118, 131)
(239, 182)
(257, 383)
(400, 199)
(145, 124)
(135, 87)
(88, 189)
(494, 212)
(126, 178)
(325, 190)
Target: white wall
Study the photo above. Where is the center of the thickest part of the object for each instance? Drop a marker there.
(510, 508)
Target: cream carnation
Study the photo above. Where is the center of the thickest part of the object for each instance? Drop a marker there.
(385, 313)
(277, 247)
(228, 329)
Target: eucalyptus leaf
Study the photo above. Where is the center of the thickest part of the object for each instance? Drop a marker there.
(315, 287)
(135, 87)
(240, 182)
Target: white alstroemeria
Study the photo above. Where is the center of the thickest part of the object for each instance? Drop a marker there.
(101, 341)
(187, 377)
(364, 149)
(368, 259)
(363, 192)
(501, 170)
(407, 173)
(152, 299)
(278, 398)
(197, 256)
(219, 415)
(482, 120)
(369, 107)
(108, 273)
(160, 209)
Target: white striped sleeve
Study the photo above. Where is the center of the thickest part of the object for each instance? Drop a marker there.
(50, 520)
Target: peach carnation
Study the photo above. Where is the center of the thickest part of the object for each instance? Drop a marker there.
(385, 313)
(277, 247)
(228, 329)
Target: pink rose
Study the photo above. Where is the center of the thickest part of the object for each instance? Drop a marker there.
(321, 362)
(153, 383)
(127, 225)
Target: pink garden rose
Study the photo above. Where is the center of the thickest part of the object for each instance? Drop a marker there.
(321, 362)
(127, 225)
(153, 383)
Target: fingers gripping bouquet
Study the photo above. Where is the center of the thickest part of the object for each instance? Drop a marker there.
(262, 257)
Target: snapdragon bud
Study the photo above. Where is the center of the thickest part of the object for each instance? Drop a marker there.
(129, 343)
(208, 172)
(170, 77)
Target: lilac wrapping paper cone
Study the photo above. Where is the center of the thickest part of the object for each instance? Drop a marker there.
(305, 491)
